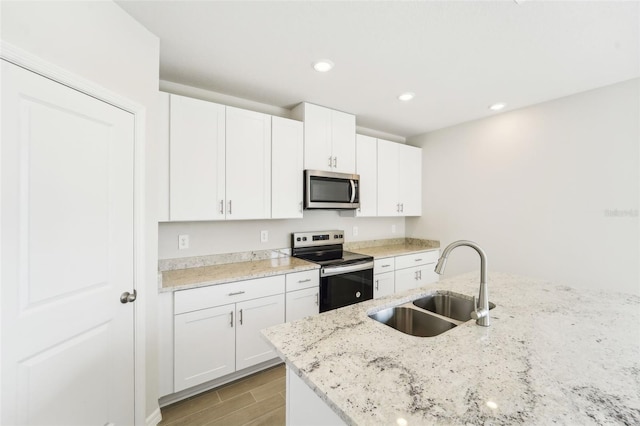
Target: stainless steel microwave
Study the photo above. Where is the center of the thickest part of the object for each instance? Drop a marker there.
(330, 190)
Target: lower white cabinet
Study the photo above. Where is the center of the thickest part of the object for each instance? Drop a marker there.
(415, 270)
(383, 284)
(204, 346)
(251, 317)
(303, 294)
(213, 338)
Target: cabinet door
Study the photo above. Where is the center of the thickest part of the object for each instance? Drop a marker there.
(251, 317)
(367, 168)
(343, 141)
(383, 284)
(317, 138)
(204, 347)
(407, 279)
(196, 159)
(410, 180)
(388, 180)
(287, 153)
(428, 274)
(248, 171)
(302, 303)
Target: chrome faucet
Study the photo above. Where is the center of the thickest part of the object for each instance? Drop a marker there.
(480, 306)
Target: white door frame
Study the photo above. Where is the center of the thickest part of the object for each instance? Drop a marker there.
(35, 64)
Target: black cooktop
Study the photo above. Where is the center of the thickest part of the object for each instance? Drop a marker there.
(331, 255)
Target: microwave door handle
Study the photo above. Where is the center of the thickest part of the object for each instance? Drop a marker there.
(353, 190)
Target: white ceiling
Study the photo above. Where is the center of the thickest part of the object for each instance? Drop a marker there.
(458, 57)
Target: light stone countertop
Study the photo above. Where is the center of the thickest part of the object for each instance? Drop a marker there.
(553, 354)
(182, 279)
(392, 247)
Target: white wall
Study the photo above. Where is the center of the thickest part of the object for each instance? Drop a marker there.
(236, 236)
(99, 42)
(534, 186)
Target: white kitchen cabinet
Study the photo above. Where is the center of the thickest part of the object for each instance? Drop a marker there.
(287, 156)
(211, 174)
(302, 303)
(197, 159)
(415, 270)
(204, 346)
(399, 179)
(303, 292)
(367, 168)
(329, 138)
(383, 284)
(248, 164)
(217, 328)
(251, 317)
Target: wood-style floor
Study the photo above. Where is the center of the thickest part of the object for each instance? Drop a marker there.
(255, 400)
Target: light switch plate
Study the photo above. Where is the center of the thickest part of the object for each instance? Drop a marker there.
(264, 236)
(355, 231)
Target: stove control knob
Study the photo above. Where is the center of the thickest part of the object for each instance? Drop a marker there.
(336, 236)
(304, 238)
(358, 294)
(340, 235)
(298, 239)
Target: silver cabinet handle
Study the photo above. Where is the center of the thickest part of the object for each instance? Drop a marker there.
(385, 266)
(304, 281)
(335, 162)
(127, 297)
(221, 206)
(240, 316)
(231, 319)
(418, 260)
(235, 293)
(416, 278)
(317, 301)
(377, 286)
(229, 206)
(398, 207)
(402, 207)
(330, 161)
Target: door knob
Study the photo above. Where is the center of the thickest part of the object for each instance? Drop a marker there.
(127, 297)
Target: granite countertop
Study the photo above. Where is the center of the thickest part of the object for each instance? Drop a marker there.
(182, 279)
(553, 354)
(392, 247)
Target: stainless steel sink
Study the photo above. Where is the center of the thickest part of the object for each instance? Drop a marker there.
(412, 321)
(449, 305)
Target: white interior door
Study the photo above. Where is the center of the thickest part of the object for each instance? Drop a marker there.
(67, 255)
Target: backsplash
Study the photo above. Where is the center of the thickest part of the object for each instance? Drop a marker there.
(213, 238)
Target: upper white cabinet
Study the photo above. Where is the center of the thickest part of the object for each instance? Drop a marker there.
(220, 162)
(248, 168)
(399, 179)
(329, 138)
(367, 168)
(197, 159)
(287, 154)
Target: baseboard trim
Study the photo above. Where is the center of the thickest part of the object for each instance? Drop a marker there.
(188, 393)
(154, 418)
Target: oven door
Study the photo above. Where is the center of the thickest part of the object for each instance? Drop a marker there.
(345, 285)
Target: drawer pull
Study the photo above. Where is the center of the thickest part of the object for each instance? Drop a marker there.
(231, 319)
(240, 316)
(385, 266)
(304, 281)
(377, 287)
(418, 260)
(235, 293)
(317, 301)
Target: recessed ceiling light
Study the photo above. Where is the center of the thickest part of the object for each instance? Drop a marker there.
(406, 96)
(323, 65)
(498, 106)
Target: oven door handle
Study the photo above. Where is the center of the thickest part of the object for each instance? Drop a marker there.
(329, 271)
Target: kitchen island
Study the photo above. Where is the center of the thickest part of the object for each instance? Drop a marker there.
(553, 354)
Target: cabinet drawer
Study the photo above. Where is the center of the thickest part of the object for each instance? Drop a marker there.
(384, 265)
(416, 259)
(216, 295)
(301, 280)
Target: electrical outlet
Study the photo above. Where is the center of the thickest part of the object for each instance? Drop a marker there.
(393, 228)
(355, 231)
(264, 236)
(183, 242)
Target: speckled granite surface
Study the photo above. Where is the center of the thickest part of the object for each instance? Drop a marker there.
(182, 279)
(392, 247)
(553, 354)
(220, 259)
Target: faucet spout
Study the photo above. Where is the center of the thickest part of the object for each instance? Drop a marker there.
(481, 306)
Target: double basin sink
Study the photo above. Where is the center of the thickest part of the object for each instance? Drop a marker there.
(429, 315)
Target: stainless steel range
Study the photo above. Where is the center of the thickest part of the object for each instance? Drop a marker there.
(345, 277)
